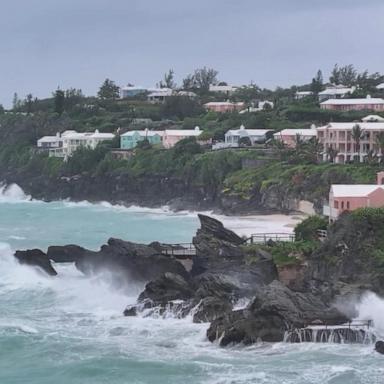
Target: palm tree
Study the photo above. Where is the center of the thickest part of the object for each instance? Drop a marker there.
(380, 143)
(332, 153)
(357, 135)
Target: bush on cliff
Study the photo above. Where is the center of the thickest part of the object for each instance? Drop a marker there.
(308, 229)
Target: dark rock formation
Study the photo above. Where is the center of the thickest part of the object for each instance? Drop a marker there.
(36, 258)
(66, 253)
(210, 308)
(274, 310)
(379, 347)
(134, 261)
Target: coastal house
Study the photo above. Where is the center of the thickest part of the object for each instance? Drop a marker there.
(233, 136)
(339, 137)
(380, 86)
(347, 197)
(335, 92)
(129, 140)
(223, 106)
(226, 89)
(132, 91)
(172, 136)
(369, 103)
(289, 136)
(159, 95)
(302, 94)
(48, 142)
(70, 141)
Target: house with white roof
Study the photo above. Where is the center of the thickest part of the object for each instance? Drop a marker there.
(172, 136)
(227, 89)
(335, 92)
(129, 140)
(47, 142)
(380, 86)
(369, 103)
(302, 94)
(289, 136)
(339, 137)
(372, 118)
(159, 95)
(234, 136)
(70, 141)
(132, 91)
(348, 197)
(223, 106)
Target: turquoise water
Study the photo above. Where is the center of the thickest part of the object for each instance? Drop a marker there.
(70, 329)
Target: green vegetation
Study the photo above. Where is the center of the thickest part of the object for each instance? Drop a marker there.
(308, 229)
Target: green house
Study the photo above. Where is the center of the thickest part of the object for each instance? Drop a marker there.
(130, 139)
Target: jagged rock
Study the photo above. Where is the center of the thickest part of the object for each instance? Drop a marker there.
(36, 258)
(379, 347)
(166, 288)
(210, 308)
(219, 285)
(274, 310)
(65, 254)
(132, 261)
(130, 311)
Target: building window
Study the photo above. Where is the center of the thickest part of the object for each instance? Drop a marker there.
(348, 206)
(336, 204)
(342, 205)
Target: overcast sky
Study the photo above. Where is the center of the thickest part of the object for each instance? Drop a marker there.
(78, 43)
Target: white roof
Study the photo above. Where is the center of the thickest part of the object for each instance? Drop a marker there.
(87, 135)
(380, 86)
(247, 132)
(160, 92)
(372, 118)
(98, 135)
(144, 133)
(294, 132)
(183, 132)
(336, 91)
(366, 101)
(304, 93)
(365, 126)
(49, 139)
(133, 88)
(354, 190)
(222, 88)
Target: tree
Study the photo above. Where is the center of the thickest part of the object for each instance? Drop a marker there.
(204, 77)
(29, 102)
(188, 82)
(168, 80)
(357, 134)
(380, 143)
(346, 75)
(2, 110)
(16, 102)
(331, 154)
(109, 90)
(317, 83)
(59, 101)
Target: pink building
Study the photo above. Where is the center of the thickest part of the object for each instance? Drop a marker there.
(173, 136)
(289, 136)
(339, 137)
(344, 198)
(223, 106)
(374, 104)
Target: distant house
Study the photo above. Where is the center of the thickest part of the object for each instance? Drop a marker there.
(372, 119)
(159, 95)
(223, 106)
(289, 136)
(129, 140)
(70, 141)
(172, 136)
(339, 137)
(369, 103)
(233, 136)
(335, 92)
(302, 94)
(380, 86)
(348, 197)
(226, 89)
(132, 91)
(48, 142)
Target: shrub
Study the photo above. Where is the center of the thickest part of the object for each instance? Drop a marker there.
(307, 229)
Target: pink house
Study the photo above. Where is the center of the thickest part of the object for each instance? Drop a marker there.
(346, 197)
(223, 106)
(289, 136)
(173, 136)
(374, 104)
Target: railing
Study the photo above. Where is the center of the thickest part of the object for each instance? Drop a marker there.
(263, 238)
(182, 250)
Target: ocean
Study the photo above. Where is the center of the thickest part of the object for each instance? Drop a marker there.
(70, 329)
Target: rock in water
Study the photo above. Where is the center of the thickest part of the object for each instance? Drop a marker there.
(37, 258)
(379, 347)
(65, 254)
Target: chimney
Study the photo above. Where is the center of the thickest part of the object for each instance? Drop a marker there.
(380, 178)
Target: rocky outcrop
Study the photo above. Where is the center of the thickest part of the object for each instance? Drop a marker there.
(274, 310)
(379, 347)
(66, 254)
(36, 258)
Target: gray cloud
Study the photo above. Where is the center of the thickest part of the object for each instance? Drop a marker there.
(50, 43)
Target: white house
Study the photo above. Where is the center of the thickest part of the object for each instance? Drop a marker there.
(159, 95)
(233, 136)
(335, 92)
(47, 142)
(372, 119)
(227, 89)
(302, 94)
(70, 141)
(380, 86)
